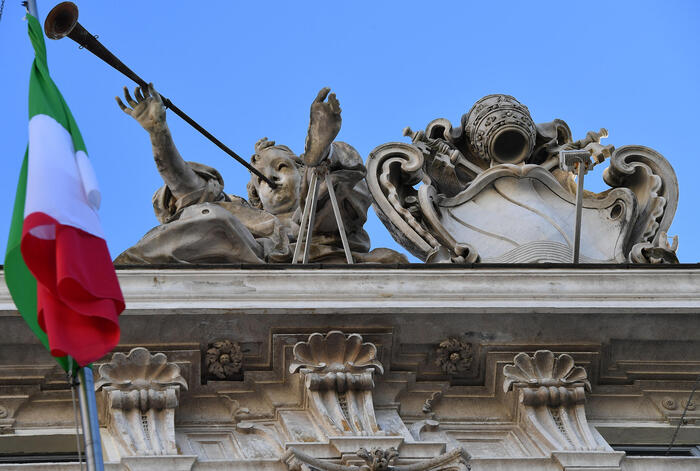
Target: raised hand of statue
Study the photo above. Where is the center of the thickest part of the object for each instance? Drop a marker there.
(147, 109)
(324, 126)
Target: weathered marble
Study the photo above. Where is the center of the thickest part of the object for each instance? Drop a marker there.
(494, 190)
(366, 345)
(201, 224)
(141, 393)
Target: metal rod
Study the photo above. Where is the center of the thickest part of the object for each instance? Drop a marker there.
(77, 428)
(682, 419)
(339, 219)
(83, 37)
(304, 218)
(312, 216)
(31, 8)
(91, 426)
(579, 208)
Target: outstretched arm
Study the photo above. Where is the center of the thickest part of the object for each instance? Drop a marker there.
(324, 125)
(149, 111)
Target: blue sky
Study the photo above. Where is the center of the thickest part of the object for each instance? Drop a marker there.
(246, 70)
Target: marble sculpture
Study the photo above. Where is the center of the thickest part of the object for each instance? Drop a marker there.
(492, 190)
(200, 223)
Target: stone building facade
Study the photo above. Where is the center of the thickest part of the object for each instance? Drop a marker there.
(497, 354)
(418, 367)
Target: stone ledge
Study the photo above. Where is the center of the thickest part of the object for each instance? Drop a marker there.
(494, 290)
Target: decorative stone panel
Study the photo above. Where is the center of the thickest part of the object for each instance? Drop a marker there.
(551, 396)
(378, 459)
(142, 392)
(337, 373)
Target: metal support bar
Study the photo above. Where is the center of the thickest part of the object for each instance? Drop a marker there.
(308, 217)
(339, 219)
(312, 215)
(304, 218)
(580, 161)
(579, 208)
(91, 426)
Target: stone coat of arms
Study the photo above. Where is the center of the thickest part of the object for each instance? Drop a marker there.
(493, 190)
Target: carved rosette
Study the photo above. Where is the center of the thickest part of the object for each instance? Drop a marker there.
(142, 392)
(337, 373)
(551, 396)
(224, 360)
(453, 356)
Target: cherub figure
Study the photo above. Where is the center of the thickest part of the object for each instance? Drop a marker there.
(200, 223)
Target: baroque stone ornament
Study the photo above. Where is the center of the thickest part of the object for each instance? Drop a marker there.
(452, 194)
(454, 356)
(337, 373)
(142, 392)
(544, 370)
(500, 129)
(551, 397)
(7, 420)
(224, 360)
(378, 459)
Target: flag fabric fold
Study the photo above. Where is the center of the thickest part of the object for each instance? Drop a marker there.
(57, 266)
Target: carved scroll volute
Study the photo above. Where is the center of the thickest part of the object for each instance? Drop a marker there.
(337, 374)
(653, 181)
(378, 459)
(551, 396)
(392, 170)
(142, 392)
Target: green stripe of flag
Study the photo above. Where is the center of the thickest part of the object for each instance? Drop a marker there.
(44, 98)
(20, 281)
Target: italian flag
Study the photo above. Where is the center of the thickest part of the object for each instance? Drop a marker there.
(57, 266)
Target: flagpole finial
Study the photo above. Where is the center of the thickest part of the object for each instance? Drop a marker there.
(30, 5)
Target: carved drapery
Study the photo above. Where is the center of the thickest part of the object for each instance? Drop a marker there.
(142, 392)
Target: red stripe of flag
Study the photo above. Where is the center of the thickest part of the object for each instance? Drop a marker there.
(78, 294)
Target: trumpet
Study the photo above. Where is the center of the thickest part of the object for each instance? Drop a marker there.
(62, 21)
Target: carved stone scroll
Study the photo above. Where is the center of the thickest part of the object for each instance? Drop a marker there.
(337, 372)
(453, 194)
(378, 460)
(142, 392)
(653, 181)
(11, 399)
(392, 171)
(551, 396)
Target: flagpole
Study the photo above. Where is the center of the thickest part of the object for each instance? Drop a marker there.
(88, 414)
(31, 8)
(86, 386)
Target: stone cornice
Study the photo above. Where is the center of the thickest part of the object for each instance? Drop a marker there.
(348, 290)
